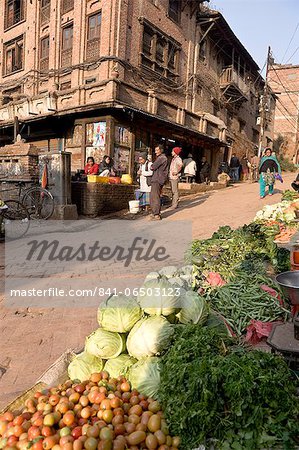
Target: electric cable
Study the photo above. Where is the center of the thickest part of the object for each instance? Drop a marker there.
(291, 40)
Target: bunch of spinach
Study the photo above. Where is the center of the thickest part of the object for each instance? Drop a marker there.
(213, 391)
(227, 249)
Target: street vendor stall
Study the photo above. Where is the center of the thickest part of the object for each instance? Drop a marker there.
(181, 369)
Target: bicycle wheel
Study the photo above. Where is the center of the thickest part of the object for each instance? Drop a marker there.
(39, 202)
(15, 219)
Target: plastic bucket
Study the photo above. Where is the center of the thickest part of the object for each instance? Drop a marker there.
(134, 206)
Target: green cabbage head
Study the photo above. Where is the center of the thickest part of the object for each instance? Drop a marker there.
(83, 365)
(149, 337)
(104, 344)
(119, 314)
(159, 297)
(145, 376)
(194, 309)
(120, 365)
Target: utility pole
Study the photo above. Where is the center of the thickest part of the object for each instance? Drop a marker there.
(263, 106)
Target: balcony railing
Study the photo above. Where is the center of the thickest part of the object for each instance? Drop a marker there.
(230, 76)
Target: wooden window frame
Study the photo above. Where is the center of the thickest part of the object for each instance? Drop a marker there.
(66, 52)
(18, 14)
(44, 60)
(14, 47)
(93, 44)
(174, 15)
(66, 6)
(45, 9)
(149, 59)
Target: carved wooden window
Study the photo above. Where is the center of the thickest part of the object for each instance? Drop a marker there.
(66, 6)
(93, 36)
(14, 12)
(45, 11)
(44, 54)
(159, 53)
(13, 54)
(67, 46)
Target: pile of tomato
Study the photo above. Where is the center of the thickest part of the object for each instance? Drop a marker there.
(98, 414)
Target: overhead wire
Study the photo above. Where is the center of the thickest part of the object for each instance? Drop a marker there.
(292, 55)
(291, 40)
(290, 117)
(293, 125)
(285, 89)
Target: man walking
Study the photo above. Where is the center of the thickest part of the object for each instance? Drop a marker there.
(176, 166)
(254, 169)
(234, 168)
(204, 173)
(160, 173)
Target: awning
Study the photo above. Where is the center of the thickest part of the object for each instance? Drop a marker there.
(174, 125)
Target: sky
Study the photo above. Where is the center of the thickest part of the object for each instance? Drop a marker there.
(260, 23)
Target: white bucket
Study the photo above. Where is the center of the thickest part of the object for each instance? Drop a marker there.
(134, 206)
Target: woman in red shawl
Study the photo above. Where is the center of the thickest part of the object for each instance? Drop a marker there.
(91, 167)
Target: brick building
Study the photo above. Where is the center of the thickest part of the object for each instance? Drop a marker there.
(97, 77)
(284, 81)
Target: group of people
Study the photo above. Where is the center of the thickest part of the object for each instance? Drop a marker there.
(104, 169)
(153, 176)
(246, 168)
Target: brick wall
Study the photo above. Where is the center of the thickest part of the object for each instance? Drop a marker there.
(19, 161)
(93, 199)
(284, 80)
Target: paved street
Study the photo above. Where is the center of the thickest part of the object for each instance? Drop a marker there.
(32, 340)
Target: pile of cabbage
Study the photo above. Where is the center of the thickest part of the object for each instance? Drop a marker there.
(283, 211)
(135, 331)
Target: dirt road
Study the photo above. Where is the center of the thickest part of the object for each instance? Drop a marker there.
(32, 340)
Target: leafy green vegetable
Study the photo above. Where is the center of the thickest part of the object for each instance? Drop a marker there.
(194, 309)
(145, 376)
(119, 365)
(227, 249)
(290, 196)
(104, 344)
(119, 313)
(213, 391)
(149, 337)
(83, 365)
(158, 297)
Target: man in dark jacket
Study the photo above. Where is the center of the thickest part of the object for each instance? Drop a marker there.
(234, 168)
(205, 170)
(160, 172)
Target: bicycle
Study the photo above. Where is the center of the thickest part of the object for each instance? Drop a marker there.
(14, 220)
(38, 201)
